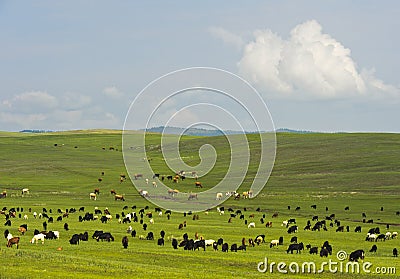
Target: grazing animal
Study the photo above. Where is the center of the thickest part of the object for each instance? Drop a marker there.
(295, 247)
(175, 243)
(358, 254)
(324, 252)
(192, 196)
(160, 242)
(219, 196)
(93, 196)
(198, 184)
(251, 225)
(314, 250)
(373, 249)
(12, 241)
(395, 253)
(273, 243)
(119, 198)
(292, 229)
(125, 242)
(357, 229)
(25, 191)
(224, 247)
(293, 239)
(38, 237)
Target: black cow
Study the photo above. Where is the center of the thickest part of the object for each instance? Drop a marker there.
(162, 234)
(105, 236)
(281, 240)
(74, 239)
(295, 247)
(189, 245)
(50, 235)
(395, 253)
(324, 252)
(125, 242)
(292, 229)
(160, 242)
(314, 250)
(381, 237)
(234, 247)
(293, 239)
(358, 254)
(225, 247)
(175, 243)
(215, 246)
(328, 247)
(150, 236)
(103, 219)
(220, 241)
(373, 249)
(199, 244)
(84, 236)
(357, 229)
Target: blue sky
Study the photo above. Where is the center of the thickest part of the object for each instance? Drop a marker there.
(319, 65)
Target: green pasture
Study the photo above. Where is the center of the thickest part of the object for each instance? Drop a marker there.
(361, 171)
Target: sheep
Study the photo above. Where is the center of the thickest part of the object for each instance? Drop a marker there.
(251, 225)
(38, 237)
(273, 243)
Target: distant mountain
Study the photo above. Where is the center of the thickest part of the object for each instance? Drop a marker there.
(285, 130)
(35, 131)
(194, 131)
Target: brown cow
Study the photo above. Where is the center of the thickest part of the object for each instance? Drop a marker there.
(14, 240)
(119, 197)
(198, 184)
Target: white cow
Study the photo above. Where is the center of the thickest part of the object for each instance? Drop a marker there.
(251, 225)
(92, 196)
(38, 237)
(219, 196)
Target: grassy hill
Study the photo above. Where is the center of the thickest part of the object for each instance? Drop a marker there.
(361, 171)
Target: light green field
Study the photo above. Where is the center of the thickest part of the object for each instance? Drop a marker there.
(361, 171)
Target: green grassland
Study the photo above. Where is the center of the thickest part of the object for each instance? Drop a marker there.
(361, 171)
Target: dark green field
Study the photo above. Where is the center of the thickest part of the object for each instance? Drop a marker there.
(361, 171)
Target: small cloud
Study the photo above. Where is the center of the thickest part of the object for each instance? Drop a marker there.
(30, 102)
(113, 92)
(227, 37)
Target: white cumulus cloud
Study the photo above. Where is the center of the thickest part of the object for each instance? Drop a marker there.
(308, 63)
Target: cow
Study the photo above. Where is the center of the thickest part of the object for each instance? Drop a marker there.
(198, 184)
(144, 193)
(12, 241)
(74, 239)
(295, 247)
(225, 247)
(25, 191)
(105, 236)
(374, 248)
(292, 229)
(234, 247)
(175, 243)
(160, 241)
(125, 242)
(324, 252)
(219, 196)
(192, 196)
(119, 198)
(38, 237)
(395, 253)
(273, 243)
(251, 225)
(314, 250)
(199, 244)
(357, 229)
(293, 239)
(355, 255)
(96, 191)
(93, 196)
(138, 175)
